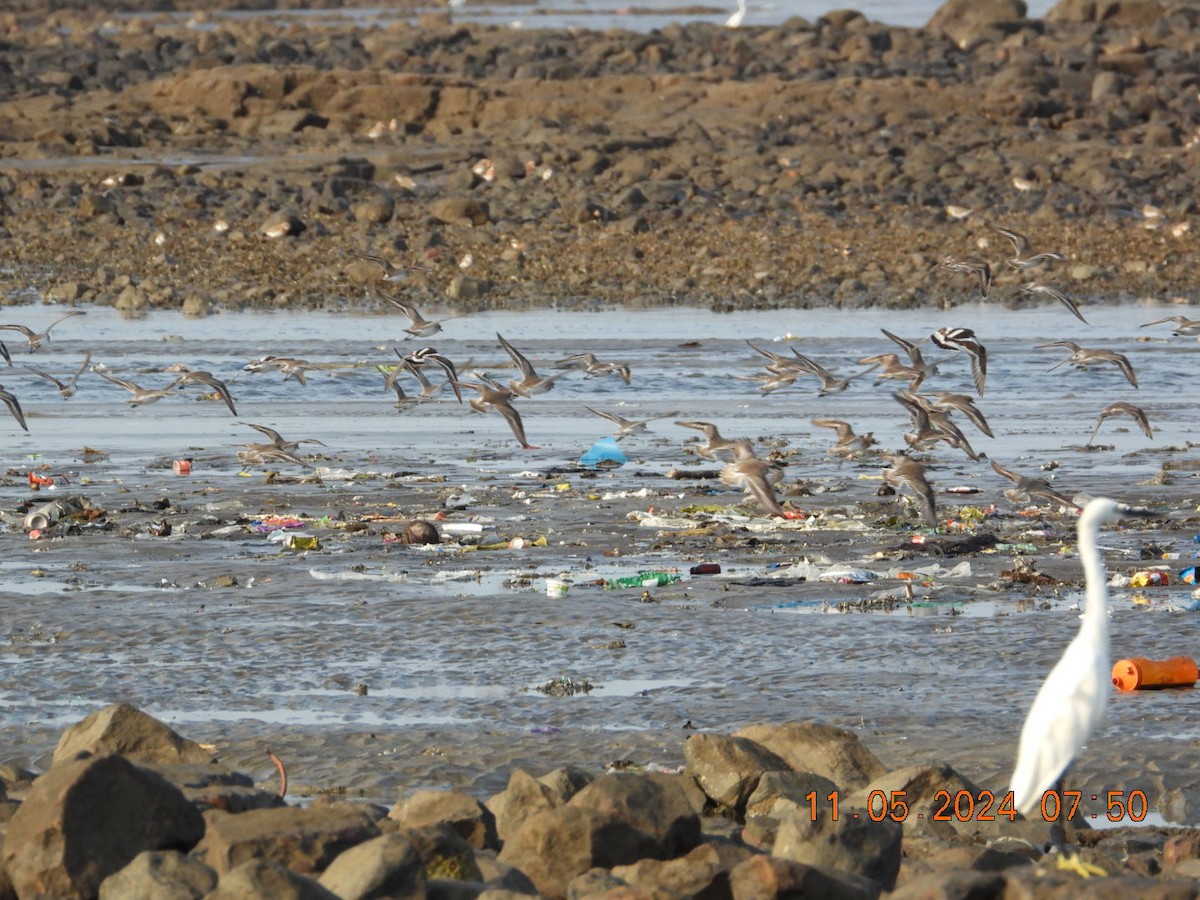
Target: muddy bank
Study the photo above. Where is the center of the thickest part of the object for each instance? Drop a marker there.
(145, 158)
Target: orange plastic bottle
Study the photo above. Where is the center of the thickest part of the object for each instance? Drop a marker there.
(1139, 673)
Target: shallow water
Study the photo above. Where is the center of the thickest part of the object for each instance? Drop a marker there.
(602, 14)
(452, 645)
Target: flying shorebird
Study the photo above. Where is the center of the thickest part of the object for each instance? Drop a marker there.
(1036, 287)
(830, 383)
(428, 388)
(4, 352)
(931, 424)
(891, 367)
(494, 398)
(391, 272)
(13, 407)
(908, 473)
(1120, 408)
(968, 265)
(626, 427)
(965, 405)
(531, 382)
(265, 454)
(1081, 358)
(418, 325)
(141, 395)
(288, 365)
(192, 376)
(593, 367)
(35, 338)
(1022, 258)
(848, 443)
(1183, 325)
(1027, 489)
(65, 388)
(277, 441)
(430, 356)
(964, 339)
(757, 477)
(714, 444)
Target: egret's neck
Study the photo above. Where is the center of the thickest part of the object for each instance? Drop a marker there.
(1095, 577)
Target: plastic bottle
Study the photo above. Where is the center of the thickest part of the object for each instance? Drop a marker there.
(642, 579)
(1139, 673)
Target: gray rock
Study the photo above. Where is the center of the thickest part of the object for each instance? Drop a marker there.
(833, 752)
(388, 865)
(160, 875)
(728, 768)
(88, 818)
(930, 793)
(473, 821)
(124, 729)
(262, 879)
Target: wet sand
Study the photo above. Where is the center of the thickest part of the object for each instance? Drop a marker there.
(233, 640)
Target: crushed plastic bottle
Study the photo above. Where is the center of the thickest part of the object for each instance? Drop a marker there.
(643, 579)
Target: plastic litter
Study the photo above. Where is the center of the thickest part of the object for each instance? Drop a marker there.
(182, 467)
(302, 542)
(845, 575)
(557, 587)
(706, 569)
(643, 579)
(604, 452)
(1188, 575)
(1140, 673)
(1151, 578)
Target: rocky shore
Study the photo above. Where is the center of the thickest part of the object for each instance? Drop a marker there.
(155, 159)
(131, 809)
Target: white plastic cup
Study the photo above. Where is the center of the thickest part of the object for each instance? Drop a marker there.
(556, 587)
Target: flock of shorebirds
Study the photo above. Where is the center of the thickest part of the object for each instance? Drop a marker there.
(931, 414)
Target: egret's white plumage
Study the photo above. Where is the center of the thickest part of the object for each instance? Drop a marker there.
(735, 21)
(1071, 701)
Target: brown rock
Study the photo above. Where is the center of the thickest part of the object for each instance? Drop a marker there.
(935, 798)
(461, 211)
(768, 877)
(965, 21)
(304, 840)
(420, 532)
(782, 793)
(523, 797)
(473, 821)
(655, 805)
(388, 865)
(850, 843)
(953, 886)
(130, 732)
(447, 856)
(262, 879)
(88, 818)
(728, 768)
(160, 875)
(92, 205)
(701, 873)
(835, 753)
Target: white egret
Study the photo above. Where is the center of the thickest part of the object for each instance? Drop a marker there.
(735, 21)
(1071, 701)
